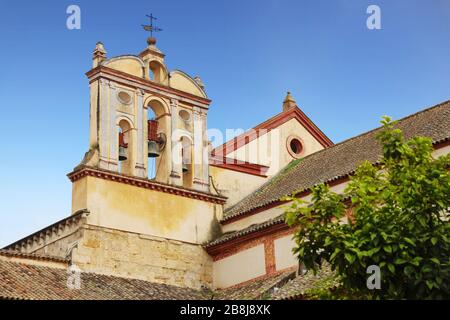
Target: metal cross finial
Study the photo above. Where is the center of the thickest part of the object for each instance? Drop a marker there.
(151, 28)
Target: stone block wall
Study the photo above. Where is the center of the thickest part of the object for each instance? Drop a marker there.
(139, 256)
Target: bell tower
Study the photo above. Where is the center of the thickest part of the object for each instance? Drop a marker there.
(145, 178)
(140, 111)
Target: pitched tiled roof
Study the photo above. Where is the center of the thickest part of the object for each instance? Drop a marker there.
(284, 286)
(255, 290)
(71, 220)
(341, 159)
(253, 228)
(34, 256)
(27, 281)
(299, 286)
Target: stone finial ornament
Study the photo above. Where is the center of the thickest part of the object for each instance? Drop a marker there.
(289, 102)
(99, 54)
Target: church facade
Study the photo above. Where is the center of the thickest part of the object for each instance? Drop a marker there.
(152, 201)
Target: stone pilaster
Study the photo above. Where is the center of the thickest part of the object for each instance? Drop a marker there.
(176, 163)
(103, 123)
(140, 170)
(112, 129)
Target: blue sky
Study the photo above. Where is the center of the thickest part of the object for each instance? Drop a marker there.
(248, 54)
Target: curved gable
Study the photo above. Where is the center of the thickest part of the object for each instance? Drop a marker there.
(129, 64)
(181, 81)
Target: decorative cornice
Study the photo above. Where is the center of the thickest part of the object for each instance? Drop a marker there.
(144, 183)
(34, 240)
(239, 166)
(150, 51)
(145, 84)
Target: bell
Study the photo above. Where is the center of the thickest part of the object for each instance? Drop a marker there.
(153, 149)
(122, 153)
(185, 168)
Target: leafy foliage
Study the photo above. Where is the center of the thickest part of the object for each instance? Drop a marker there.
(398, 219)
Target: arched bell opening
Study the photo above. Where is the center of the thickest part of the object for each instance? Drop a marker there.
(125, 143)
(187, 162)
(157, 124)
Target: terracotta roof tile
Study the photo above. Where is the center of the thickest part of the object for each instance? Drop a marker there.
(253, 228)
(256, 290)
(299, 286)
(35, 256)
(26, 281)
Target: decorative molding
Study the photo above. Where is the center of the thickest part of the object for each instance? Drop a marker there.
(146, 85)
(49, 234)
(239, 166)
(140, 92)
(152, 52)
(289, 149)
(145, 183)
(174, 102)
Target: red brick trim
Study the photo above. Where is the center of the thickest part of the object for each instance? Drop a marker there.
(442, 144)
(229, 248)
(239, 166)
(251, 212)
(144, 183)
(163, 89)
(267, 126)
(289, 149)
(268, 241)
(269, 255)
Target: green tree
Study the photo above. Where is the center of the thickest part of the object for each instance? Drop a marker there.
(399, 222)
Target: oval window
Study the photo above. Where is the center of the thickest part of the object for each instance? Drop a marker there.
(295, 147)
(124, 97)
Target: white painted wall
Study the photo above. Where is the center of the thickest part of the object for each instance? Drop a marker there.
(284, 258)
(245, 265)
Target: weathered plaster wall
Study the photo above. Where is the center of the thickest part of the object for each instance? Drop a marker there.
(130, 208)
(181, 81)
(284, 258)
(133, 66)
(234, 185)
